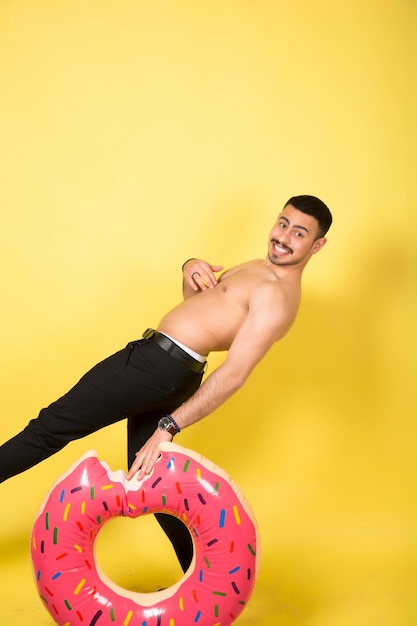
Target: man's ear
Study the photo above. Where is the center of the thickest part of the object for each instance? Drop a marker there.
(317, 245)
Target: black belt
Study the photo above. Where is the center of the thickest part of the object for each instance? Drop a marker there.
(175, 351)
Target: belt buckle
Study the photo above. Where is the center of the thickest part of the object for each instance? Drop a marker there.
(148, 334)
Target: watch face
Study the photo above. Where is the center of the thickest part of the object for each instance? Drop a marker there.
(166, 424)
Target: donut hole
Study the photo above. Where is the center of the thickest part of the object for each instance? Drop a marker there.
(136, 554)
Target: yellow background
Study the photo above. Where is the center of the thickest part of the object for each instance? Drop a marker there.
(137, 134)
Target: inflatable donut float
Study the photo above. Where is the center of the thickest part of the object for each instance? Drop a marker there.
(219, 581)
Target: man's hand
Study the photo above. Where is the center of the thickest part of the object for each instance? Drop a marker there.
(200, 275)
(148, 454)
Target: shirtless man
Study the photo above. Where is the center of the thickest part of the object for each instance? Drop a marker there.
(245, 312)
(155, 381)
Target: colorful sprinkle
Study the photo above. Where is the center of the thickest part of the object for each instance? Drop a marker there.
(236, 514)
(67, 604)
(201, 498)
(222, 518)
(213, 541)
(75, 489)
(92, 492)
(79, 586)
(105, 487)
(83, 505)
(197, 617)
(96, 618)
(57, 575)
(56, 535)
(66, 512)
(235, 588)
(181, 603)
(128, 618)
(186, 465)
(251, 550)
(155, 483)
(62, 496)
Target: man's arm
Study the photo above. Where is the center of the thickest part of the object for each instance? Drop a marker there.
(198, 275)
(265, 323)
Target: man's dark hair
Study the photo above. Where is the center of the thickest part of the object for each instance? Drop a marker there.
(315, 207)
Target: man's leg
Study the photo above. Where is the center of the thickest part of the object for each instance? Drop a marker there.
(88, 406)
(139, 429)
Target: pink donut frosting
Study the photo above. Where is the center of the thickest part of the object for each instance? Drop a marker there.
(218, 583)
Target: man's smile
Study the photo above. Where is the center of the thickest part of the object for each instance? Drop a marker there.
(280, 248)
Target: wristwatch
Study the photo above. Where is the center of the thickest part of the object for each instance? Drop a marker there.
(168, 424)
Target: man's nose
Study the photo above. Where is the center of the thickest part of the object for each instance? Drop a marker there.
(284, 236)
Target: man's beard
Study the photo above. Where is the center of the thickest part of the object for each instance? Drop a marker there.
(276, 260)
(281, 262)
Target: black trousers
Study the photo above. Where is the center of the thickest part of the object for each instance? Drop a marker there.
(141, 383)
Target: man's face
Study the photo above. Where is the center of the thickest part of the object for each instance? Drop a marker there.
(293, 239)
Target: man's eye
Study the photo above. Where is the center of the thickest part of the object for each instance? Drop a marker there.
(282, 225)
(298, 234)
